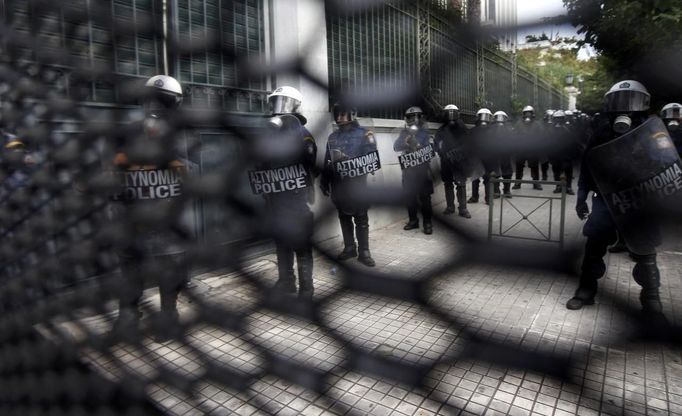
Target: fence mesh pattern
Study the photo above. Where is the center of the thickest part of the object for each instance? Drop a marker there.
(61, 276)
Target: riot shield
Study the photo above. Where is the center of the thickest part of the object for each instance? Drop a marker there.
(354, 159)
(278, 154)
(459, 153)
(637, 174)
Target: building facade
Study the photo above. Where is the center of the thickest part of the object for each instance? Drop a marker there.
(217, 49)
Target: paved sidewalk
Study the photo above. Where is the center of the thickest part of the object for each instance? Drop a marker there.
(611, 374)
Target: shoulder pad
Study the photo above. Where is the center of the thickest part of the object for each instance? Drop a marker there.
(308, 139)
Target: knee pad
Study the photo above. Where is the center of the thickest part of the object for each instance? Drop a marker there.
(646, 272)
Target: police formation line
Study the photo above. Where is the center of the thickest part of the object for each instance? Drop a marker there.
(494, 147)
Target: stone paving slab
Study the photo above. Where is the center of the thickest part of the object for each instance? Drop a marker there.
(611, 372)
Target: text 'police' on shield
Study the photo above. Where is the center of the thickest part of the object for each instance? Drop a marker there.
(149, 184)
(359, 166)
(277, 180)
(416, 158)
(659, 187)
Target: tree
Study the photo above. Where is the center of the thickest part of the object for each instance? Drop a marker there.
(641, 39)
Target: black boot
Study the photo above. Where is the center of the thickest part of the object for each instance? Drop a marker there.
(517, 185)
(305, 274)
(462, 201)
(646, 274)
(537, 187)
(585, 293)
(427, 213)
(506, 188)
(449, 200)
(168, 323)
(127, 325)
(474, 191)
(411, 225)
(362, 231)
(349, 248)
(286, 282)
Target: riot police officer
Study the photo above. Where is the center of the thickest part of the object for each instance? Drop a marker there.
(502, 133)
(155, 245)
(348, 142)
(484, 143)
(527, 132)
(453, 149)
(626, 106)
(563, 151)
(414, 142)
(672, 116)
(547, 119)
(290, 220)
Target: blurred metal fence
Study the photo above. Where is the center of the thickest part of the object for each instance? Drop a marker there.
(62, 59)
(383, 42)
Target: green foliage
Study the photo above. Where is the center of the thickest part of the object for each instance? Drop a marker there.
(625, 30)
(640, 39)
(555, 65)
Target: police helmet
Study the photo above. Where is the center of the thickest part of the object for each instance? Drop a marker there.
(672, 111)
(451, 112)
(484, 115)
(559, 117)
(285, 100)
(340, 109)
(627, 97)
(413, 116)
(528, 112)
(500, 117)
(548, 115)
(163, 93)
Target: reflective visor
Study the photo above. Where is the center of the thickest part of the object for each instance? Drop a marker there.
(160, 103)
(453, 115)
(411, 119)
(280, 104)
(671, 113)
(485, 117)
(527, 114)
(500, 118)
(627, 101)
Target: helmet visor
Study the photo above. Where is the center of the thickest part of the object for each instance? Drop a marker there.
(627, 101)
(671, 113)
(500, 118)
(485, 117)
(343, 114)
(412, 118)
(158, 101)
(280, 104)
(528, 114)
(451, 115)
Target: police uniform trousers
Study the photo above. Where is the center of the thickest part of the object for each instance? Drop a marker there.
(600, 231)
(491, 166)
(563, 166)
(453, 176)
(419, 189)
(544, 169)
(170, 272)
(533, 164)
(292, 229)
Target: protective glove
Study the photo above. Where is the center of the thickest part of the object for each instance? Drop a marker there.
(582, 209)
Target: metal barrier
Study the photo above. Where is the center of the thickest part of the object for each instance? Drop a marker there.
(504, 232)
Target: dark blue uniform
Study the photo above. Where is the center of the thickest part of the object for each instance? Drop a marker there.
(600, 230)
(291, 223)
(484, 138)
(417, 181)
(348, 142)
(528, 133)
(452, 145)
